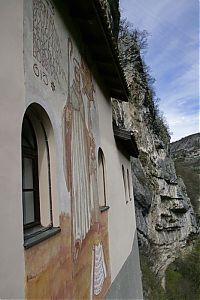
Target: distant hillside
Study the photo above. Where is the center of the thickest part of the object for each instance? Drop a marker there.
(186, 155)
(187, 146)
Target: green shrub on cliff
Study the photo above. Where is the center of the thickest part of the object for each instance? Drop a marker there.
(183, 276)
(191, 180)
(152, 288)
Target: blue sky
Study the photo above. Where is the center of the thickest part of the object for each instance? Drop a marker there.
(173, 56)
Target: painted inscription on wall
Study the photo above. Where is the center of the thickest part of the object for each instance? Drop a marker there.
(98, 269)
(46, 44)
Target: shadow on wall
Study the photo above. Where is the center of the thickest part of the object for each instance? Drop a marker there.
(127, 284)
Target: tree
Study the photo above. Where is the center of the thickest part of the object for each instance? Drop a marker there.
(132, 44)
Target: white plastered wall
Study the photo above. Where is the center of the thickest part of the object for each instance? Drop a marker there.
(53, 103)
(121, 220)
(12, 97)
(17, 93)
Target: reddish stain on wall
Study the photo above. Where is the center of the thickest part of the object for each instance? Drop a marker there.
(51, 272)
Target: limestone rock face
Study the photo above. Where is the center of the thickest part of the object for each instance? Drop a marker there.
(111, 9)
(164, 214)
(165, 218)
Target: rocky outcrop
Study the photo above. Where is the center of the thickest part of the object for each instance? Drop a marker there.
(165, 217)
(111, 8)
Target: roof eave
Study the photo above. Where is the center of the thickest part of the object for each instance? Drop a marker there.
(95, 31)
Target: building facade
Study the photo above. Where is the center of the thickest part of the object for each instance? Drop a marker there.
(67, 210)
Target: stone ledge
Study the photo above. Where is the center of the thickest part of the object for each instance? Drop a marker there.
(104, 208)
(40, 236)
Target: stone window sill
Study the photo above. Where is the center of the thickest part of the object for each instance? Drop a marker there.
(38, 234)
(104, 208)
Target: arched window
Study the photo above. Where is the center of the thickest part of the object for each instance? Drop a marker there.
(30, 184)
(38, 192)
(101, 179)
(129, 187)
(125, 185)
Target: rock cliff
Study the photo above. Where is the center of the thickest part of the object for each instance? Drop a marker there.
(165, 216)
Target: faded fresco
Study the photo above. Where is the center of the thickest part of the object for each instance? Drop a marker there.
(49, 265)
(74, 264)
(81, 175)
(46, 45)
(80, 150)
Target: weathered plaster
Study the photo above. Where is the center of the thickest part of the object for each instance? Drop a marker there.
(62, 266)
(121, 214)
(50, 271)
(11, 114)
(65, 265)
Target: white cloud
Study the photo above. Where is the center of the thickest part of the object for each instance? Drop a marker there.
(181, 126)
(154, 14)
(189, 77)
(183, 88)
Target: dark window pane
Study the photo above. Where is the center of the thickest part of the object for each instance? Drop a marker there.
(28, 135)
(28, 207)
(101, 180)
(27, 173)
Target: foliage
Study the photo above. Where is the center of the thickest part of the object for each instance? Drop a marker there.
(151, 285)
(114, 8)
(183, 276)
(191, 180)
(132, 44)
(157, 120)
